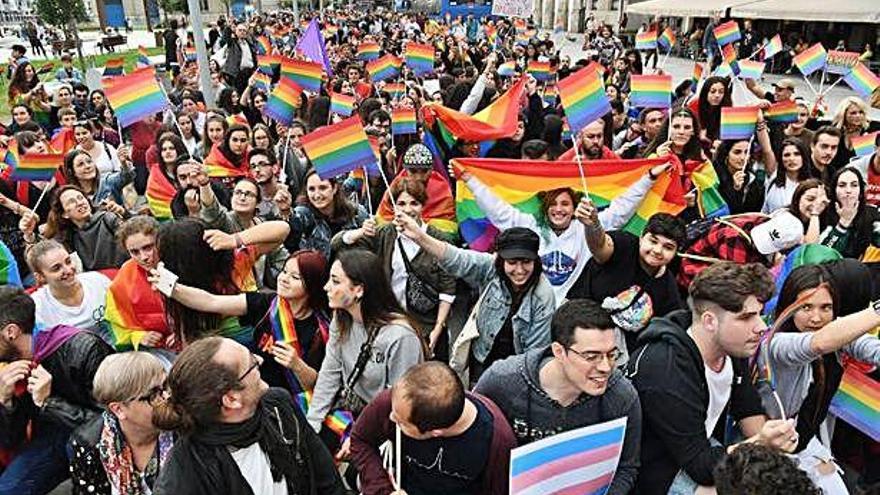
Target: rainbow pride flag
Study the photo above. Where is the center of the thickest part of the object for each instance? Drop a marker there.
(420, 58)
(710, 203)
(403, 121)
(368, 51)
(190, 54)
(750, 69)
(541, 71)
(862, 80)
(284, 324)
(338, 421)
(811, 59)
(497, 121)
(307, 75)
(667, 39)
(114, 67)
(339, 148)
(723, 70)
(728, 55)
(262, 82)
(507, 69)
(143, 59)
(606, 179)
(218, 165)
(857, 402)
(583, 98)
(773, 47)
(9, 274)
(132, 308)
(784, 112)
(36, 166)
(159, 193)
(727, 33)
(738, 122)
(341, 104)
(646, 40)
(135, 96)
(651, 91)
(264, 46)
(865, 144)
(381, 69)
(696, 76)
(265, 64)
(283, 102)
(551, 92)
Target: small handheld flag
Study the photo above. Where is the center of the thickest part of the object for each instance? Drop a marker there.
(135, 96)
(114, 67)
(583, 98)
(403, 121)
(710, 202)
(865, 144)
(368, 51)
(749, 69)
(387, 67)
(862, 80)
(727, 33)
(651, 91)
(773, 47)
(420, 58)
(667, 39)
(342, 104)
(541, 71)
(784, 112)
(507, 69)
(339, 148)
(283, 101)
(738, 122)
(857, 402)
(143, 59)
(307, 75)
(811, 59)
(264, 46)
(646, 41)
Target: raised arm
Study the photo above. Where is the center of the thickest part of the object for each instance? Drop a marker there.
(840, 332)
(204, 301)
(598, 241)
(501, 213)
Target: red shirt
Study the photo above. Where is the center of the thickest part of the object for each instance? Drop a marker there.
(872, 186)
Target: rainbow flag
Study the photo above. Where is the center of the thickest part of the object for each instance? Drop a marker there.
(551, 92)
(368, 51)
(218, 165)
(865, 144)
(341, 104)
(606, 179)
(284, 324)
(438, 211)
(583, 98)
(507, 69)
(159, 193)
(840, 62)
(541, 71)
(420, 58)
(307, 75)
(667, 39)
(646, 41)
(283, 101)
(651, 91)
(403, 121)
(114, 67)
(738, 122)
(339, 148)
(811, 59)
(9, 274)
(697, 75)
(387, 67)
(723, 70)
(750, 69)
(710, 203)
(576, 461)
(132, 308)
(727, 33)
(135, 96)
(36, 166)
(857, 402)
(773, 47)
(265, 64)
(784, 112)
(264, 46)
(862, 80)
(395, 90)
(497, 121)
(262, 82)
(190, 54)
(728, 55)
(143, 59)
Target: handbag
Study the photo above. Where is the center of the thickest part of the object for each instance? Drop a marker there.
(421, 296)
(346, 398)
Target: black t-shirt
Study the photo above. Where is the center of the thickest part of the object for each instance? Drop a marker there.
(622, 271)
(307, 330)
(449, 466)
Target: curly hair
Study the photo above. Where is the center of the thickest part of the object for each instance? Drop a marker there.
(754, 469)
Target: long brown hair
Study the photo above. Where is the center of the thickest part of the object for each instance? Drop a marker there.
(56, 225)
(343, 209)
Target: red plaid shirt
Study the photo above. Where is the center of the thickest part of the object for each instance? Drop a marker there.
(723, 242)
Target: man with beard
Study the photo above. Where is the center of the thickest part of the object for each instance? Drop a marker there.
(640, 134)
(45, 380)
(238, 435)
(264, 170)
(591, 144)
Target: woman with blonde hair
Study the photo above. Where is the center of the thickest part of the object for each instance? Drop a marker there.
(851, 117)
(121, 451)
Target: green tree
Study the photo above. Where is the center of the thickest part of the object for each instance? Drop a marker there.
(174, 7)
(61, 13)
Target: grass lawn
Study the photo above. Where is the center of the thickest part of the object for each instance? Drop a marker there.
(129, 57)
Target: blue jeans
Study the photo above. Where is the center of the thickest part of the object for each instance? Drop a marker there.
(41, 466)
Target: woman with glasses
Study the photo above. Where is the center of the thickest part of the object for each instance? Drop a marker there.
(120, 451)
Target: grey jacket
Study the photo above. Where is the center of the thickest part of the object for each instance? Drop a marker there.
(514, 385)
(95, 242)
(531, 323)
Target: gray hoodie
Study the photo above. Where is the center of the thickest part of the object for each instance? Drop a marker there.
(513, 385)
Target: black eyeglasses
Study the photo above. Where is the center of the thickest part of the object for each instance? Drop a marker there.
(255, 362)
(150, 396)
(593, 357)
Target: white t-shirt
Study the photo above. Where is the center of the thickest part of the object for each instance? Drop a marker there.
(254, 466)
(87, 316)
(719, 393)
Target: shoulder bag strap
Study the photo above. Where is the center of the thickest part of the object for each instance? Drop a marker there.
(409, 267)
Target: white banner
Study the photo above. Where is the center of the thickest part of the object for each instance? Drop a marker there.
(513, 8)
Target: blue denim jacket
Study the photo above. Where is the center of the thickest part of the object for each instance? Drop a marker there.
(531, 323)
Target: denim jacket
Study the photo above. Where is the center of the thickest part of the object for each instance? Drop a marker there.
(531, 323)
(309, 230)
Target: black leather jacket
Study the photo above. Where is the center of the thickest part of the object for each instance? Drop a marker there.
(72, 366)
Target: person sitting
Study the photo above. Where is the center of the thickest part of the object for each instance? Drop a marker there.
(47, 385)
(760, 470)
(238, 436)
(570, 384)
(120, 451)
(438, 422)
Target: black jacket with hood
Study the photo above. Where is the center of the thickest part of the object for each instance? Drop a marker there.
(667, 371)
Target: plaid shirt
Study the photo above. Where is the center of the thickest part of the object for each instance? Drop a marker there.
(723, 243)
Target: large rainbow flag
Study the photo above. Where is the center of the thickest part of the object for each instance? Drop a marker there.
(135, 96)
(520, 181)
(220, 166)
(497, 121)
(159, 193)
(133, 308)
(857, 402)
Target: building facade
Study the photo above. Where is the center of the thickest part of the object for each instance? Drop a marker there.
(15, 12)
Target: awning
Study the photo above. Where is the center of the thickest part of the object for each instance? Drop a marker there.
(811, 10)
(684, 8)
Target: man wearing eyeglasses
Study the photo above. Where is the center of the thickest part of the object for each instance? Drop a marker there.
(570, 384)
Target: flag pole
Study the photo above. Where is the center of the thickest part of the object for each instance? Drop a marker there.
(282, 176)
(398, 476)
(822, 80)
(367, 190)
(46, 188)
(577, 154)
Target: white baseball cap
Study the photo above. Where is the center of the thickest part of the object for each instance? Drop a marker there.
(782, 231)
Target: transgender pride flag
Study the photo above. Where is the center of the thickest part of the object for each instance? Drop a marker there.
(579, 461)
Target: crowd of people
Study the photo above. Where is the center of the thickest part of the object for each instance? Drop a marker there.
(274, 331)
